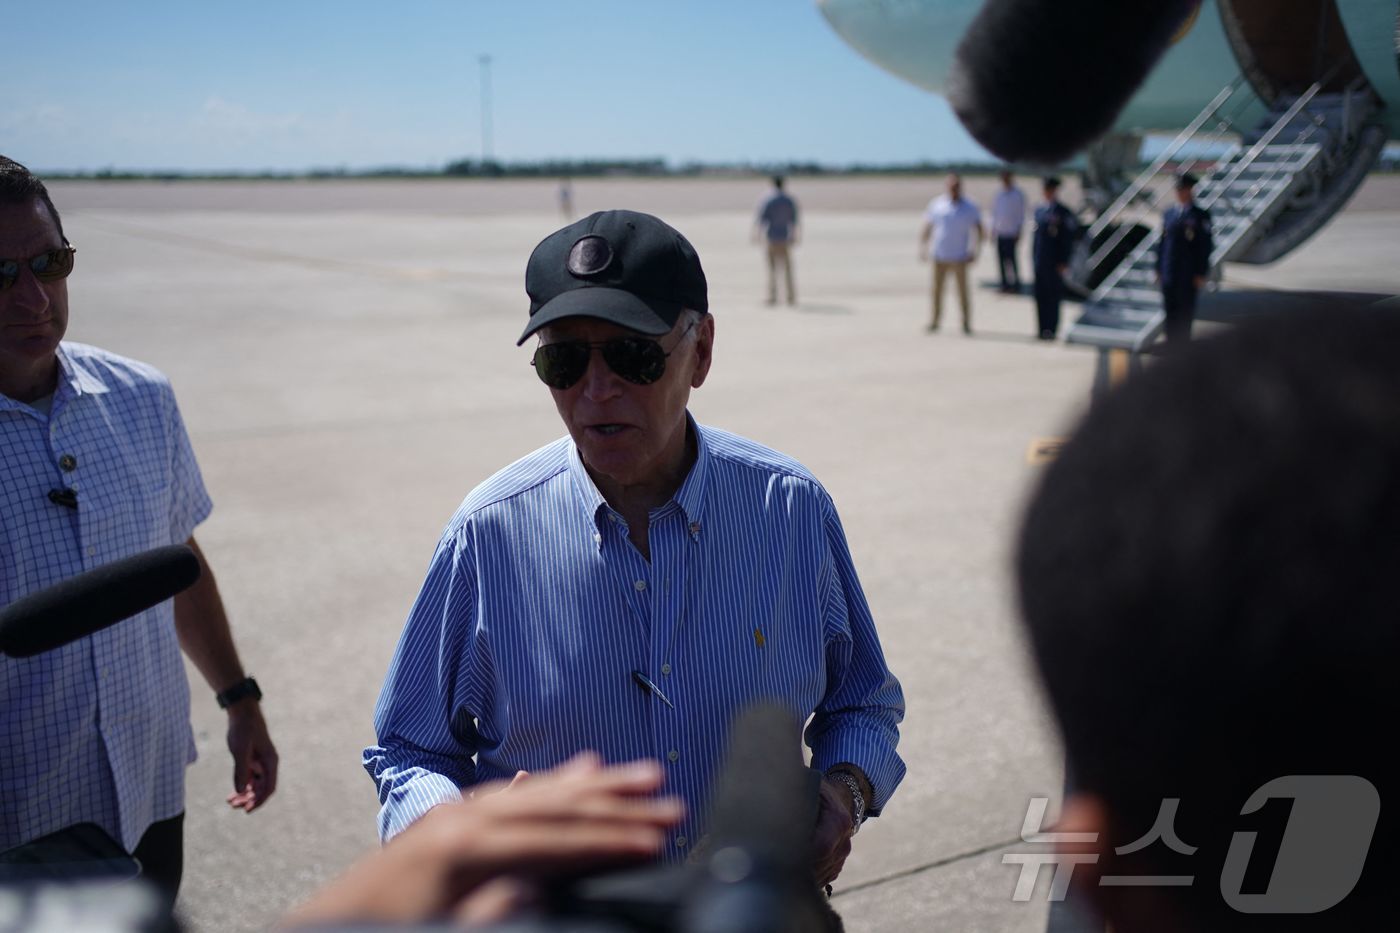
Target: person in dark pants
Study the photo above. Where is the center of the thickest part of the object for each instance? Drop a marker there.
(1054, 235)
(95, 466)
(1183, 258)
(1008, 216)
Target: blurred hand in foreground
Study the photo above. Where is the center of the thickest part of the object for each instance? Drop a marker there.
(498, 846)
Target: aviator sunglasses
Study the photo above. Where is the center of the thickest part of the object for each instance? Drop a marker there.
(48, 266)
(639, 360)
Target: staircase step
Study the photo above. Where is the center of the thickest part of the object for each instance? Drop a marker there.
(1139, 275)
(1133, 297)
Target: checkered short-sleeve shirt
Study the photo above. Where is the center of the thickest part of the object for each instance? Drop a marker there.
(99, 730)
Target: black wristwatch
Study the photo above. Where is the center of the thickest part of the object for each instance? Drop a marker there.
(247, 687)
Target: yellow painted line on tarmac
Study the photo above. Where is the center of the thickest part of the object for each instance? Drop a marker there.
(1043, 449)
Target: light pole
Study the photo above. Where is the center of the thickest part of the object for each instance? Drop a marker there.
(485, 61)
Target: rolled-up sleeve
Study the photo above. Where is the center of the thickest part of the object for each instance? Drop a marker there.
(857, 721)
(424, 718)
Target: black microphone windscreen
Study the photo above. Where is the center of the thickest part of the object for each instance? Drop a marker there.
(95, 599)
(1038, 80)
(766, 798)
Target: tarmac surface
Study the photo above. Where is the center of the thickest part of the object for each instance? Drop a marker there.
(344, 356)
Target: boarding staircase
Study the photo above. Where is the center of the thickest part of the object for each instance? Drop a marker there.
(1266, 194)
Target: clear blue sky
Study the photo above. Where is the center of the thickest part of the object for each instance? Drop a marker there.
(212, 84)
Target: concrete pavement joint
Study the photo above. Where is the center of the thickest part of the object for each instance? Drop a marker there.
(920, 869)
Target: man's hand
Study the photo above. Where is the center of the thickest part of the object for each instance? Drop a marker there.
(1200, 282)
(499, 845)
(831, 840)
(1061, 270)
(254, 757)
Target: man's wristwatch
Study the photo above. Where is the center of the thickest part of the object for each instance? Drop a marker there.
(857, 798)
(247, 687)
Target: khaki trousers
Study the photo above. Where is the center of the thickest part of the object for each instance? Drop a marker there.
(941, 269)
(779, 254)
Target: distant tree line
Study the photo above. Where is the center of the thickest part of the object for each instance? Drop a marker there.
(558, 168)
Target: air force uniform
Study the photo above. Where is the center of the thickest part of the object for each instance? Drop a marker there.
(1183, 255)
(1054, 237)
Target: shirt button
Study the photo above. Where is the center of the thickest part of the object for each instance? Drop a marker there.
(92, 551)
(68, 462)
(680, 842)
(672, 755)
(665, 668)
(640, 585)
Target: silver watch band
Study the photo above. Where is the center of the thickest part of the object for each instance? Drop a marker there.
(858, 798)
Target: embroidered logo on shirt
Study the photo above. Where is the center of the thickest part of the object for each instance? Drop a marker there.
(758, 639)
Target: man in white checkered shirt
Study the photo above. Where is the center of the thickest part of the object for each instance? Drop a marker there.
(95, 465)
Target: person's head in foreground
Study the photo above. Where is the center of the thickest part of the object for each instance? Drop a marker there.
(1210, 577)
(619, 303)
(1051, 187)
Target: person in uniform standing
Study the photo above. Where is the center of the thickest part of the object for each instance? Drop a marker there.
(777, 224)
(952, 222)
(1183, 258)
(1008, 214)
(1054, 236)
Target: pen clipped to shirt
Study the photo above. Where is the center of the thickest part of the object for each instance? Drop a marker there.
(647, 684)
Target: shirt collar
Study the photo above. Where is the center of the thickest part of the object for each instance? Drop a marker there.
(689, 498)
(74, 380)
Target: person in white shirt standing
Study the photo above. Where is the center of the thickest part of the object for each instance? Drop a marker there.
(955, 226)
(1008, 214)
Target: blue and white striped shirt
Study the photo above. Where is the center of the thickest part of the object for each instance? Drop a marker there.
(520, 648)
(99, 730)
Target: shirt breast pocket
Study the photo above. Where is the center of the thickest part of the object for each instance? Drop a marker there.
(774, 655)
(124, 512)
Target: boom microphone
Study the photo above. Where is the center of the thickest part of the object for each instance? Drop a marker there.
(95, 599)
(1037, 80)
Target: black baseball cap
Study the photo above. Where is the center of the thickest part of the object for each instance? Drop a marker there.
(1186, 180)
(621, 266)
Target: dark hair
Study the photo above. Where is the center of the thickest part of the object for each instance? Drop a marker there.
(1210, 578)
(778, 182)
(18, 185)
(1051, 181)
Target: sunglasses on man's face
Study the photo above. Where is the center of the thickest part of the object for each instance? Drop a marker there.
(639, 360)
(48, 266)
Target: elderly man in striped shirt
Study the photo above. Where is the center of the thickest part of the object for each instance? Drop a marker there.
(632, 586)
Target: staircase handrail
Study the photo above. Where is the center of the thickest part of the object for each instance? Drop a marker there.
(1254, 151)
(1145, 178)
